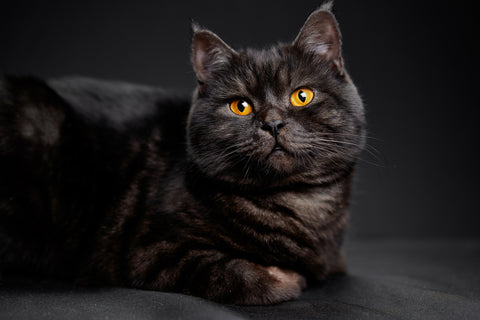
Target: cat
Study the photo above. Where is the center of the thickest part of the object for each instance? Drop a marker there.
(238, 195)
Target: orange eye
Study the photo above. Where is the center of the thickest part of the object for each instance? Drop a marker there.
(241, 107)
(301, 97)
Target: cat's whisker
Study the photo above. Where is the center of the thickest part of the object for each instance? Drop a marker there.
(235, 150)
(247, 168)
(339, 142)
(374, 152)
(311, 138)
(337, 150)
(370, 149)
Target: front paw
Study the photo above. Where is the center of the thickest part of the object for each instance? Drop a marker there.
(274, 285)
(288, 284)
(234, 281)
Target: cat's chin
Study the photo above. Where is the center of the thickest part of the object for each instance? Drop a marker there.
(281, 161)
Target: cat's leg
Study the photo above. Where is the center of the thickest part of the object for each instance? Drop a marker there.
(339, 266)
(220, 278)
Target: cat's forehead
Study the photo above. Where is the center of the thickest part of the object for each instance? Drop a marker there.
(266, 56)
(276, 70)
(265, 62)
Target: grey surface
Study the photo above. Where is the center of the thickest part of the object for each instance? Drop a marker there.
(434, 279)
(417, 279)
(24, 299)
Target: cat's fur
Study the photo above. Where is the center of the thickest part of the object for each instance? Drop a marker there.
(101, 183)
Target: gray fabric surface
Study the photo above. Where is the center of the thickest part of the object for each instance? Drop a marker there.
(430, 279)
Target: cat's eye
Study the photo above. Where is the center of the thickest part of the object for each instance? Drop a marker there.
(241, 107)
(301, 97)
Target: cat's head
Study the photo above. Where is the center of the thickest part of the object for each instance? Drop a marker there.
(282, 115)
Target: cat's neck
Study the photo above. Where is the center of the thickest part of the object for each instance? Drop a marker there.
(198, 180)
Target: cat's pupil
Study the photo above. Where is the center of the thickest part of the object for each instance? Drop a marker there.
(302, 96)
(242, 105)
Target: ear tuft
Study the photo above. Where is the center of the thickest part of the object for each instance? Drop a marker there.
(320, 35)
(326, 6)
(195, 26)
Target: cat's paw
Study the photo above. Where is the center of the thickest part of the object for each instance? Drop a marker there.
(287, 278)
(280, 285)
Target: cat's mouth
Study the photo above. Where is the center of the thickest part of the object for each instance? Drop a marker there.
(281, 159)
(278, 149)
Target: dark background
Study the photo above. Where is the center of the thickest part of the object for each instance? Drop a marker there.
(415, 63)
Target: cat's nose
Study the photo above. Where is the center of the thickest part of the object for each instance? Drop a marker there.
(273, 126)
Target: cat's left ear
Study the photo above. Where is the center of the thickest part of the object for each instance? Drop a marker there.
(209, 53)
(320, 35)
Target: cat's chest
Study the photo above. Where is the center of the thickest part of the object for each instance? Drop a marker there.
(290, 211)
(313, 208)
(291, 227)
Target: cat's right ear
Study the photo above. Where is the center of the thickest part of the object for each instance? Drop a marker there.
(320, 35)
(209, 53)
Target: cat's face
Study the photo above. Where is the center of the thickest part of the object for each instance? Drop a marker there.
(283, 115)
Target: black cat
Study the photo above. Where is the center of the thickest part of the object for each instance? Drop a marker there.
(101, 183)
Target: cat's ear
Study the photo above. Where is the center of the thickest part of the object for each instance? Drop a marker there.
(209, 53)
(320, 34)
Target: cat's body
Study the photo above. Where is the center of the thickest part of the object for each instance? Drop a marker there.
(102, 184)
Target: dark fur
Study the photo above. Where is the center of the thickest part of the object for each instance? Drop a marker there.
(100, 183)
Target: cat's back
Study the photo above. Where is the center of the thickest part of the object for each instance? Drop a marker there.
(39, 110)
(74, 150)
(88, 126)
(119, 104)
